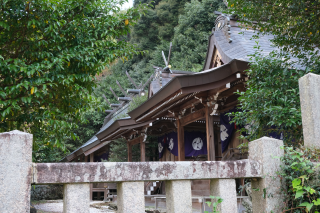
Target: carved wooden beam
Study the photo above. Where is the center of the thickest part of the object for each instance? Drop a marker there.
(136, 140)
(200, 114)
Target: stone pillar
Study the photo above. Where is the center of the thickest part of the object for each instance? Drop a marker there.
(309, 86)
(267, 195)
(15, 171)
(226, 189)
(76, 198)
(130, 197)
(91, 184)
(178, 196)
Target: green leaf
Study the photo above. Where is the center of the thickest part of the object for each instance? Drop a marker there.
(316, 202)
(299, 193)
(306, 204)
(296, 182)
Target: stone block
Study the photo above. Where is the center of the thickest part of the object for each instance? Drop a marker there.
(309, 86)
(15, 171)
(266, 191)
(178, 196)
(226, 189)
(103, 172)
(76, 198)
(130, 197)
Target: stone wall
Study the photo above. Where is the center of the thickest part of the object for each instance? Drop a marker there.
(46, 192)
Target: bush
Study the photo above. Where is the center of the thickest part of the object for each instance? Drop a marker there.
(301, 186)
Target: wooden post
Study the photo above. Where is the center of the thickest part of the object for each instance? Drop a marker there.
(180, 132)
(210, 136)
(172, 157)
(129, 152)
(142, 151)
(168, 155)
(91, 185)
(86, 159)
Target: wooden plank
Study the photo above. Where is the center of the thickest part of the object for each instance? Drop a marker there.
(172, 157)
(114, 94)
(168, 154)
(122, 90)
(131, 80)
(193, 117)
(91, 157)
(180, 132)
(136, 140)
(129, 152)
(142, 151)
(95, 148)
(210, 135)
(189, 104)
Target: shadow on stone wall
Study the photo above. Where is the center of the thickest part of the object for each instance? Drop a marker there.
(46, 192)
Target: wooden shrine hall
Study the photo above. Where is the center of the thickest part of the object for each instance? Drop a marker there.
(187, 102)
(186, 109)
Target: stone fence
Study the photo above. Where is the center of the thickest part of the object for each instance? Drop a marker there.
(17, 173)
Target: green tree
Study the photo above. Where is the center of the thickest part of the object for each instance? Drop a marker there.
(190, 40)
(50, 52)
(294, 23)
(271, 102)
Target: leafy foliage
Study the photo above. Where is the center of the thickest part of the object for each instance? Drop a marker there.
(215, 201)
(118, 151)
(300, 180)
(191, 35)
(271, 102)
(294, 23)
(50, 52)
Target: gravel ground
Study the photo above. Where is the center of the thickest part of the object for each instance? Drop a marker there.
(56, 206)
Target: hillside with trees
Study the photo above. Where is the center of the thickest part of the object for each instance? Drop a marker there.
(187, 24)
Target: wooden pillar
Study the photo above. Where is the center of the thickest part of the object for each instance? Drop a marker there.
(91, 185)
(210, 136)
(86, 159)
(142, 151)
(129, 152)
(172, 157)
(180, 132)
(168, 155)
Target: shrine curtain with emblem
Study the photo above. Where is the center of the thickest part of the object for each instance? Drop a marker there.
(161, 145)
(195, 143)
(226, 129)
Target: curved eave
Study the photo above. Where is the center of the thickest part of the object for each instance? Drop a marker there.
(119, 127)
(186, 84)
